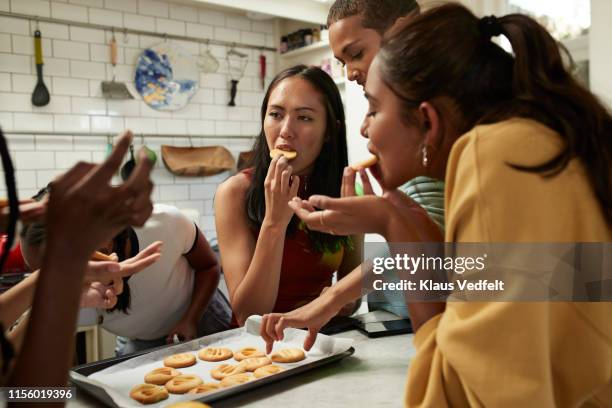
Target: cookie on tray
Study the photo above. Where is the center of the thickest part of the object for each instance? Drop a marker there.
(148, 393)
(188, 404)
(225, 370)
(161, 376)
(204, 388)
(183, 383)
(180, 360)
(267, 370)
(215, 354)
(290, 355)
(248, 352)
(237, 379)
(253, 363)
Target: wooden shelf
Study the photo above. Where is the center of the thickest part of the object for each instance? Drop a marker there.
(304, 50)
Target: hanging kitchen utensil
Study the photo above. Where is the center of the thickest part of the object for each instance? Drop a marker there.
(113, 89)
(207, 62)
(128, 167)
(262, 70)
(236, 64)
(40, 96)
(167, 76)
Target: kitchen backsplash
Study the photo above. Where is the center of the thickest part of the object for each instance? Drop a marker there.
(77, 60)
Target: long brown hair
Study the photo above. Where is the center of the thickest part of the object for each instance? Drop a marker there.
(326, 177)
(447, 51)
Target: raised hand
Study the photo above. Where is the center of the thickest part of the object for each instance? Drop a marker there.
(280, 187)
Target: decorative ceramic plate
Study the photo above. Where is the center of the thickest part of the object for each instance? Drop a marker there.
(166, 76)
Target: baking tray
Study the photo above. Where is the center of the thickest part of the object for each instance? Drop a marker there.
(78, 374)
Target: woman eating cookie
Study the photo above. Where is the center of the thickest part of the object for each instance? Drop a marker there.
(271, 261)
(495, 126)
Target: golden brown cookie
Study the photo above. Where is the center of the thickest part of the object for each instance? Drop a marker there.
(204, 388)
(290, 355)
(215, 354)
(289, 154)
(267, 370)
(188, 404)
(225, 370)
(183, 383)
(148, 393)
(365, 163)
(253, 363)
(180, 360)
(248, 352)
(236, 379)
(161, 375)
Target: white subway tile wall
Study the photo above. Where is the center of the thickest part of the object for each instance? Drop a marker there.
(77, 60)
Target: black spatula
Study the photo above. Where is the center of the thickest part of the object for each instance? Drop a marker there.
(40, 96)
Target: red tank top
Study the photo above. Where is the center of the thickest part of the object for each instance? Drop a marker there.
(305, 271)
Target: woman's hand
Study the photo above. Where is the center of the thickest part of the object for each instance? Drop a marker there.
(185, 330)
(348, 182)
(84, 209)
(100, 296)
(280, 187)
(344, 216)
(312, 316)
(106, 271)
(394, 215)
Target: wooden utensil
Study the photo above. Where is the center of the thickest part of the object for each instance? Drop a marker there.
(113, 89)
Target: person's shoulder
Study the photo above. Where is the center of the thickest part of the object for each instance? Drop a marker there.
(518, 141)
(168, 213)
(235, 186)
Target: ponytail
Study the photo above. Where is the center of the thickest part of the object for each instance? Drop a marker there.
(447, 51)
(551, 95)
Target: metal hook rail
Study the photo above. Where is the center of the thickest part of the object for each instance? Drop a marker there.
(113, 134)
(126, 30)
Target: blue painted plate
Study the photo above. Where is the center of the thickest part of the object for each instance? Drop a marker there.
(166, 77)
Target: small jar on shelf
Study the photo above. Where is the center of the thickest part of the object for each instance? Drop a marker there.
(284, 45)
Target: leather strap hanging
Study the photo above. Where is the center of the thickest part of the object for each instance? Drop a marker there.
(197, 161)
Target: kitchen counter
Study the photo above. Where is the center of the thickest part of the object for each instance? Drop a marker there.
(374, 376)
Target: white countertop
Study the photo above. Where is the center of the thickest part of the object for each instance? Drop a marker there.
(374, 376)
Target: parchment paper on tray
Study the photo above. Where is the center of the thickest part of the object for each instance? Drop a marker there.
(118, 380)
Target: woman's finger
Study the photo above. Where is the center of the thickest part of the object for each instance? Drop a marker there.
(138, 265)
(285, 178)
(348, 182)
(264, 333)
(102, 174)
(154, 248)
(281, 165)
(299, 210)
(365, 181)
(271, 171)
(67, 180)
(310, 339)
(110, 298)
(101, 271)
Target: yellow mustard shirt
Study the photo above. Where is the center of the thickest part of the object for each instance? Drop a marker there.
(502, 354)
